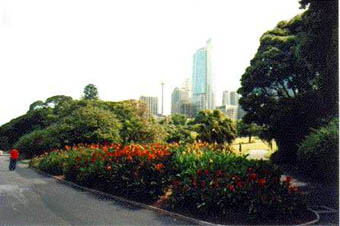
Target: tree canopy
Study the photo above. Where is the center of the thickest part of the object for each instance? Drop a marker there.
(284, 88)
(90, 92)
(213, 126)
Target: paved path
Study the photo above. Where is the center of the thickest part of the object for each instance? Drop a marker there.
(27, 198)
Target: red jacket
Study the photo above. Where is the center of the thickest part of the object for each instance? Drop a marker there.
(14, 154)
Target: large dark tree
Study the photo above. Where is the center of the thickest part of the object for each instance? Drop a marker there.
(319, 49)
(284, 88)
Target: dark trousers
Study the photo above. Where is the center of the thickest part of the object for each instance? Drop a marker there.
(12, 164)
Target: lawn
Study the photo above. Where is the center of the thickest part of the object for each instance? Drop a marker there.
(256, 143)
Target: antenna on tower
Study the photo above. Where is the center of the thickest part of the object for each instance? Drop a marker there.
(162, 83)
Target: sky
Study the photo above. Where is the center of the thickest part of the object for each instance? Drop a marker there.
(126, 48)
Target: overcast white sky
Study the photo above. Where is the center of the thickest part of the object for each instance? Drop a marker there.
(124, 47)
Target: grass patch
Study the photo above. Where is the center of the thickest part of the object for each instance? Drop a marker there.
(256, 143)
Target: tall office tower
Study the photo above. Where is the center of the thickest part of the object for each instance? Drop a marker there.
(202, 81)
(178, 97)
(151, 104)
(225, 98)
(234, 98)
(187, 87)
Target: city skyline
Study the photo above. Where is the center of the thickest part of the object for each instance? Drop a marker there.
(124, 48)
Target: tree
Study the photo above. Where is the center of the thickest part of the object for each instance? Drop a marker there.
(319, 49)
(90, 92)
(249, 130)
(213, 126)
(280, 91)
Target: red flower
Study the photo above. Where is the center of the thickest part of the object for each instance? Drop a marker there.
(218, 173)
(108, 168)
(239, 184)
(262, 182)
(253, 176)
(175, 183)
(194, 182)
(206, 172)
(199, 172)
(203, 184)
(250, 170)
(288, 179)
(216, 184)
(231, 187)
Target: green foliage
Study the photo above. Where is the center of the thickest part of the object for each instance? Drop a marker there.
(84, 125)
(177, 129)
(90, 92)
(318, 154)
(137, 126)
(212, 127)
(51, 163)
(282, 89)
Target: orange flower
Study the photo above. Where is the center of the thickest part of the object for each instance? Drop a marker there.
(159, 166)
(293, 189)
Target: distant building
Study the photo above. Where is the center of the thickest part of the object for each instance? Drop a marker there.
(226, 98)
(230, 111)
(234, 98)
(202, 81)
(188, 109)
(151, 104)
(178, 97)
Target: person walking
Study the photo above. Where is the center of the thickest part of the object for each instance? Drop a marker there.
(14, 155)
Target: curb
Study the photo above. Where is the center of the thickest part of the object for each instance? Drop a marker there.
(153, 208)
(313, 221)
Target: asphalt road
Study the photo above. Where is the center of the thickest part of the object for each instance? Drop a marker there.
(27, 198)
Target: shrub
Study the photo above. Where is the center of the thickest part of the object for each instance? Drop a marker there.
(318, 153)
(52, 163)
(83, 125)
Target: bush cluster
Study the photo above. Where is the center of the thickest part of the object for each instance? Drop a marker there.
(318, 154)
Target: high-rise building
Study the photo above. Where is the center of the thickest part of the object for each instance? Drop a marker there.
(178, 97)
(151, 104)
(202, 81)
(234, 98)
(226, 98)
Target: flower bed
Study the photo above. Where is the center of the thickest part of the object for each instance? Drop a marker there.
(201, 177)
(218, 183)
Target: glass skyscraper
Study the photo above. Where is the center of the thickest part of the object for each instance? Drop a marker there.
(202, 81)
